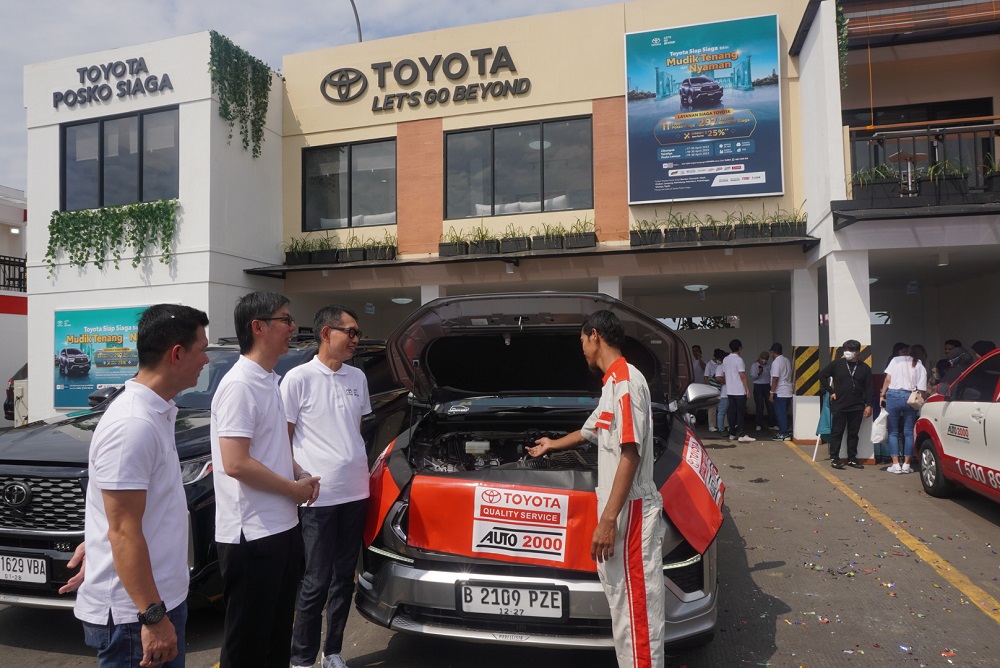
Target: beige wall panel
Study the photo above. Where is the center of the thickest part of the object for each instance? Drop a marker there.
(419, 194)
(610, 170)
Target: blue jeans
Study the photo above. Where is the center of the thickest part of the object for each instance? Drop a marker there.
(781, 412)
(720, 420)
(900, 415)
(120, 645)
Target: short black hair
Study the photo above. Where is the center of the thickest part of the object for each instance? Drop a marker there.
(254, 306)
(851, 344)
(163, 326)
(954, 343)
(983, 347)
(607, 324)
(718, 353)
(735, 345)
(696, 346)
(330, 315)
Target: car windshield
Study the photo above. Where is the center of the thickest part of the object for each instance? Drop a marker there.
(220, 361)
(516, 403)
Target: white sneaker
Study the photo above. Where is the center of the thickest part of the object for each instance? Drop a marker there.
(712, 429)
(746, 438)
(906, 469)
(894, 469)
(333, 661)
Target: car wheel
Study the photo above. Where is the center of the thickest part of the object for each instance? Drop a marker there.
(684, 101)
(62, 370)
(935, 484)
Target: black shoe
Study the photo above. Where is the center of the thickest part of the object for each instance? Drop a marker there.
(835, 463)
(855, 464)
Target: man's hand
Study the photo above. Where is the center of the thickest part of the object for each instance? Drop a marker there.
(868, 411)
(833, 397)
(542, 445)
(79, 558)
(305, 490)
(159, 643)
(602, 547)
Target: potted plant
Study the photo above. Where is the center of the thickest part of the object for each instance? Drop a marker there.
(681, 229)
(298, 250)
(789, 223)
(946, 181)
(878, 185)
(325, 251)
(748, 225)
(453, 243)
(514, 240)
(715, 229)
(991, 174)
(381, 249)
(582, 234)
(550, 237)
(645, 233)
(353, 250)
(483, 241)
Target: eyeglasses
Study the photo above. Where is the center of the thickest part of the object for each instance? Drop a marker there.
(350, 331)
(287, 319)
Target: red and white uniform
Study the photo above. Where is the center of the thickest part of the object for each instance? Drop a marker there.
(633, 577)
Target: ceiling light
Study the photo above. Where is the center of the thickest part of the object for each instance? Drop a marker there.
(535, 144)
(401, 300)
(15, 230)
(942, 259)
(696, 287)
(872, 280)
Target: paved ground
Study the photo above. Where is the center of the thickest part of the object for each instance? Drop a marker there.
(817, 568)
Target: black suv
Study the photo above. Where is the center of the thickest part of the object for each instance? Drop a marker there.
(700, 90)
(73, 360)
(43, 478)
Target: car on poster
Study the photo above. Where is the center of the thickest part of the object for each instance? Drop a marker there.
(703, 111)
(469, 537)
(957, 437)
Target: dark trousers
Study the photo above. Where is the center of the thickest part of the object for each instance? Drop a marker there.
(259, 579)
(737, 414)
(851, 422)
(332, 537)
(762, 404)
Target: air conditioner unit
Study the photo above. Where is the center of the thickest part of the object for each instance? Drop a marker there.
(20, 403)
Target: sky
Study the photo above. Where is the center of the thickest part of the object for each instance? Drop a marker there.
(36, 31)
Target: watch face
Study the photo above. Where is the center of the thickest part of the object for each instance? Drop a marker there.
(153, 614)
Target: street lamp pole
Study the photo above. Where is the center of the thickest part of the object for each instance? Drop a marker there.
(357, 20)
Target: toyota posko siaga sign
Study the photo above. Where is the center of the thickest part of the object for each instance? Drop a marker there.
(703, 111)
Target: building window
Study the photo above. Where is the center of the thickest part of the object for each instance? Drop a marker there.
(352, 185)
(120, 160)
(547, 166)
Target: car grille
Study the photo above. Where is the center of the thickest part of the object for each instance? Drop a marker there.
(57, 504)
(570, 627)
(688, 579)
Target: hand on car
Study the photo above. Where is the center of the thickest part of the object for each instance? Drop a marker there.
(79, 558)
(542, 445)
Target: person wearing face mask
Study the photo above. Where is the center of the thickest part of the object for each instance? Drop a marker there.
(850, 401)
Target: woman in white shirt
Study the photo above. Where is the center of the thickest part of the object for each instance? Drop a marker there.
(904, 375)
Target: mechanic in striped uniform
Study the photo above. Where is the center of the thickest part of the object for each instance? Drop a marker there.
(627, 542)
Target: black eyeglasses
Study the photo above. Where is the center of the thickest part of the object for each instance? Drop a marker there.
(350, 331)
(287, 319)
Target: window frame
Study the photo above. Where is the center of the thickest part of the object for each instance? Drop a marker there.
(350, 178)
(101, 120)
(541, 163)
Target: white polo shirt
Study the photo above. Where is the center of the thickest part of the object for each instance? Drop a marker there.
(326, 407)
(248, 405)
(731, 367)
(781, 369)
(133, 449)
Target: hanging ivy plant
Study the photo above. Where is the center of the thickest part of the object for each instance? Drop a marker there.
(91, 235)
(842, 44)
(243, 84)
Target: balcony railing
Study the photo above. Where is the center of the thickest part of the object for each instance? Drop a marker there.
(12, 274)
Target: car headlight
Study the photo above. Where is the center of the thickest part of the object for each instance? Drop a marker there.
(195, 469)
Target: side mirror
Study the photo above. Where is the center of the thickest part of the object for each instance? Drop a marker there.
(696, 397)
(98, 397)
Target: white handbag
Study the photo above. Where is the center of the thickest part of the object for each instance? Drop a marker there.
(916, 399)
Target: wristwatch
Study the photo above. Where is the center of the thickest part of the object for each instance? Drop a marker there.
(154, 613)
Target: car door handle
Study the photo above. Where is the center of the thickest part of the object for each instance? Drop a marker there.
(977, 415)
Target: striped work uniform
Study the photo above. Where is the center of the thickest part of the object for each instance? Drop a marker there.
(633, 577)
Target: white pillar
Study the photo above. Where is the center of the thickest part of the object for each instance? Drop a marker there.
(610, 285)
(849, 303)
(804, 353)
(429, 293)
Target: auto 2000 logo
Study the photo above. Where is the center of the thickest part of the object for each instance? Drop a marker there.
(520, 522)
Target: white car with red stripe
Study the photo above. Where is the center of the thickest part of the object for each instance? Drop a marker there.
(958, 433)
(468, 537)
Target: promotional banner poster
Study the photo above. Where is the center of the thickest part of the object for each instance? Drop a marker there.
(704, 111)
(94, 349)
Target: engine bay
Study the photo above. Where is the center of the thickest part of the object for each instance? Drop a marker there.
(477, 450)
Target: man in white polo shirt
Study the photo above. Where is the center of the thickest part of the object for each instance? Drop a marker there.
(258, 486)
(132, 602)
(781, 389)
(324, 403)
(733, 372)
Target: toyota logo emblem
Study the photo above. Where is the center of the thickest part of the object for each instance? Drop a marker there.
(16, 495)
(491, 496)
(344, 85)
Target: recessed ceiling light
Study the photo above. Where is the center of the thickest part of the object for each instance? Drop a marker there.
(15, 230)
(696, 287)
(539, 144)
(401, 300)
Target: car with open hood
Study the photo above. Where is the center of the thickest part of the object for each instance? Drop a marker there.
(469, 537)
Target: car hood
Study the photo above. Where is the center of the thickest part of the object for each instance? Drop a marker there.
(525, 344)
(67, 442)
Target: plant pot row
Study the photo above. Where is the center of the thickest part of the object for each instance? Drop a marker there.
(340, 255)
(517, 244)
(716, 233)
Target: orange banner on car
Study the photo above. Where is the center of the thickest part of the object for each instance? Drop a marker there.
(383, 491)
(513, 523)
(693, 496)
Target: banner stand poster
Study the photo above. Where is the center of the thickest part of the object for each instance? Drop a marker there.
(703, 111)
(94, 349)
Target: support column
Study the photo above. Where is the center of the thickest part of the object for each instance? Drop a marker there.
(429, 293)
(849, 303)
(804, 353)
(610, 285)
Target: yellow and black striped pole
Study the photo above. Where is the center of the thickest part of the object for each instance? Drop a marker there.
(805, 363)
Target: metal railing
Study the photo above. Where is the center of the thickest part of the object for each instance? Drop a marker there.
(12, 274)
(966, 144)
